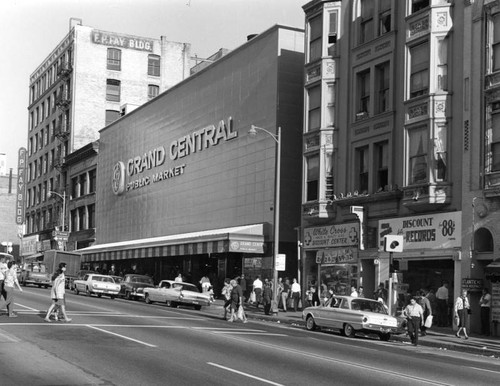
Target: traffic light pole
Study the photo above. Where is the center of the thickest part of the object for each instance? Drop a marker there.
(390, 294)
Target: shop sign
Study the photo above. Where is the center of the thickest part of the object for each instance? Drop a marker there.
(336, 256)
(473, 285)
(21, 186)
(116, 40)
(280, 264)
(246, 246)
(252, 262)
(435, 231)
(29, 245)
(343, 235)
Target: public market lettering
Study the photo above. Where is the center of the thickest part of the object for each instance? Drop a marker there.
(114, 40)
(157, 177)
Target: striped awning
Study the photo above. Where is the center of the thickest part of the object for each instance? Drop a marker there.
(246, 238)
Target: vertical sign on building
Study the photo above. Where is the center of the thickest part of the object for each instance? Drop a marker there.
(21, 186)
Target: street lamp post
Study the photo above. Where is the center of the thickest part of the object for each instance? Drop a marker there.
(277, 138)
(63, 198)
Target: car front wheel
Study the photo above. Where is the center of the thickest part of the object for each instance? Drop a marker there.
(349, 331)
(385, 336)
(310, 323)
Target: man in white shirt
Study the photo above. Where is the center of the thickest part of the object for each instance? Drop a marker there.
(442, 305)
(295, 294)
(257, 288)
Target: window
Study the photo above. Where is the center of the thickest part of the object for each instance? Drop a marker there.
(495, 143)
(114, 59)
(417, 5)
(314, 110)
(315, 34)
(83, 185)
(111, 116)
(442, 65)
(362, 163)
(419, 72)
(312, 178)
(364, 93)
(440, 152)
(91, 213)
(154, 65)
(382, 166)
(384, 18)
(366, 28)
(92, 181)
(113, 90)
(383, 84)
(332, 34)
(417, 155)
(496, 42)
(153, 91)
(81, 218)
(74, 187)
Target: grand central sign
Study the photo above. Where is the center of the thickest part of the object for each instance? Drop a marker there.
(128, 175)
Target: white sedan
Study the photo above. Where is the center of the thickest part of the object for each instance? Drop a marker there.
(97, 284)
(177, 293)
(351, 315)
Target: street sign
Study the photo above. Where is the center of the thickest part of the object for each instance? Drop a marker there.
(280, 262)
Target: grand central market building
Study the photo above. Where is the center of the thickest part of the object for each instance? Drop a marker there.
(183, 188)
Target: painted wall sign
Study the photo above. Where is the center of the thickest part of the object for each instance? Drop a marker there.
(29, 245)
(116, 40)
(336, 256)
(434, 231)
(343, 235)
(129, 175)
(21, 186)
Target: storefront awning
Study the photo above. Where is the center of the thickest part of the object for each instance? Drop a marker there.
(243, 239)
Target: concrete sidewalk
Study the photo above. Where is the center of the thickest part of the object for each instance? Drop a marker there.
(439, 337)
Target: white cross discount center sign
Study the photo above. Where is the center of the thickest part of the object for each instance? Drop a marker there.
(434, 231)
(333, 236)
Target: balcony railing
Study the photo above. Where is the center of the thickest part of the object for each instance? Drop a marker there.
(64, 70)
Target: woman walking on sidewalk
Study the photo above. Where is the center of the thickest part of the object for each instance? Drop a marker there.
(462, 311)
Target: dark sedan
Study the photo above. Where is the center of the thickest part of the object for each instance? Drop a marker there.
(132, 286)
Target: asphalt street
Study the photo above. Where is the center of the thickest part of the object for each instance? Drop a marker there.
(120, 342)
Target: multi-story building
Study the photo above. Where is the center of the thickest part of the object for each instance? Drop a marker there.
(182, 186)
(392, 144)
(90, 79)
(9, 230)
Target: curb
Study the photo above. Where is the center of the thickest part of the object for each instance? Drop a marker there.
(296, 322)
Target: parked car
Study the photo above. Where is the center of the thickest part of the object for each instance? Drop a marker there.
(93, 283)
(132, 286)
(34, 273)
(79, 276)
(351, 315)
(177, 293)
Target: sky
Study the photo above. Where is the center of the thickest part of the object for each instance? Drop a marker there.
(31, 29)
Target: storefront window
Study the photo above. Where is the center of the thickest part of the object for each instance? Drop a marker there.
(340, 277)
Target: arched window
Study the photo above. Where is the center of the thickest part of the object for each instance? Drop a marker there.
(483, 240)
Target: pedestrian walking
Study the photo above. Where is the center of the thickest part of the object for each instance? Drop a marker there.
(415, 317)
(243, 285)
(267, 295)
(462, 311)
(426, 307)
(226, 294)
(10, 282)
(237, 302)
(257, 289)
(285, 294)
(485, 303)
(295, 294)
(442, 305)
(58, 294)
(205, 284)
(3, 270)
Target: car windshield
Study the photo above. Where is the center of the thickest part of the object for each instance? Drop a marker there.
(368, 306)
(142, 279)
(103, 278)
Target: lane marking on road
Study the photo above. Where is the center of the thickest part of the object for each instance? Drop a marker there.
(356, 365)
(5, 337)
(22, 305)
(490, 371)
(245, 374)
(247, 333)
(122, 336)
